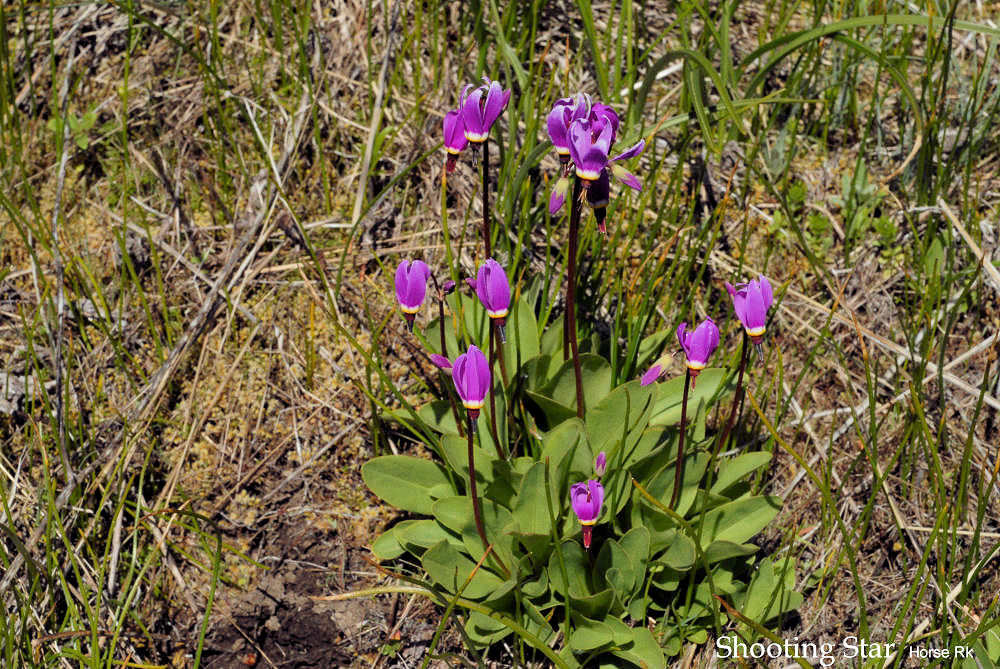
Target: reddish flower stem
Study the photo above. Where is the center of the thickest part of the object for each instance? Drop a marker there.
(721, 443)
(680, 441)
(444, 352)
(574, 229)
(486, 199)
(493, 403)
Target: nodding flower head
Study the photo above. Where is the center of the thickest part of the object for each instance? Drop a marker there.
(563, 113)
(411, 287)
(751, 301)
(600, 464)
(471, 374)
(587, 500)
(481, 108)
(698, 345)
(656, 372)
(442, 363)
(454, 137)
(493, 290)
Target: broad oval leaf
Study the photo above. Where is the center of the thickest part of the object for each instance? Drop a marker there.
(405, 481)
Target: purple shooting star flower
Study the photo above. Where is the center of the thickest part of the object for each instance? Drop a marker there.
(600, 464)
(411, 287)
(587, 499)
(656, 372)
(751, 301)
(471, 374)
(698, 345)
(481, 108)
(454, 138)
(493, 290)
(443, 363)
(589, 147)
(563, 113)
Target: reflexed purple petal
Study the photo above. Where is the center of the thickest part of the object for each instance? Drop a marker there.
(471, 374)
(602, 116)
(482, 371)
(454, 132)
(651, 375)
(411, 283)
(682, 337)
(755, 313)
(401, 280)
(631, 152)
(448, 287)
(472, 116)
(472, 282)
(702, 343)
(587, 499)
(605, 139)
(492, 288)
(417, 286)
(440, 361)
(739, 295)
(556, 124)
(496, 100)
(766, 292)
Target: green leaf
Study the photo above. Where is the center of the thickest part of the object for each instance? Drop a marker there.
(596, 374)
(671, 394)
(662, 487)
(621, 415)
(404, 481)
(590, 634)
(612, 557)
(735, 470)
(642, 650)
(569, 455)
(522, 337)
(771, 592)
(531, 510)
(456, 514)
(455, 451)
(438, 415)
(451, 569)
(484, 630)
(635, 543)
(680, 554)
(553, 413)
(387, 546)
(718, 551)
(740, 520)
(424, 533)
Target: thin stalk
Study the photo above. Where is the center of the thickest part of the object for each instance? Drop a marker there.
(503, 367)
(444, 352)
(574, 229)
(680, 441)
(486, 199)
(475, 504)
(472, 491)
(720, 444)
(493, 403)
